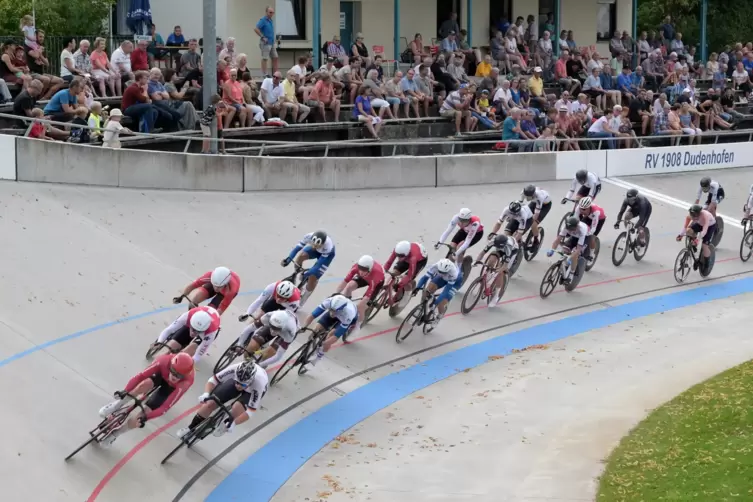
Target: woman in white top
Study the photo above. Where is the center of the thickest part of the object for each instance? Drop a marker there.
(713, 65)
(741, 79)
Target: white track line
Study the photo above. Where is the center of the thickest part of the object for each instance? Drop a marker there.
(728, 220)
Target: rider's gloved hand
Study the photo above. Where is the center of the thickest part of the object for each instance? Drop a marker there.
(550, 253)
(742, 222)
(142, 421)
(679, 237)
(415, 292)
(204, 397)
(617, 225)
(437, 244)
(242, 317)
(285, 262)
(178, 299)
(564, 201)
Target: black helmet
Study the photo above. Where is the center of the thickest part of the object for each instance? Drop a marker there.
(500, 241)
(319, 238)
(632, 193)
(705, 183)
(529, 191)
(695, 210)
(571, 222)
(581, 175)
(514, 207)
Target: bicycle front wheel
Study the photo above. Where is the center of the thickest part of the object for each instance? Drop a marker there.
(288, 365)
(746, 246)
(550, 280)
(683, 265)
(412, 320)
(472, 295)
(227, 357)
(620, 249)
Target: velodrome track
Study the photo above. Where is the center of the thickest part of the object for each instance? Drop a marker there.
(89, 274)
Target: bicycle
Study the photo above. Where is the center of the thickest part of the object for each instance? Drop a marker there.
(297, 277)
(719, 231)
(302, 355)
(568, 214)
(157, 347)
(627, 242)
(746, 244)
(235, 350)
(557, 272)
(387, 299)
(591, 255)
(205, 428)
(485, 285)
(115, 420)
(422, 314)
(688, 255)
(465, 267)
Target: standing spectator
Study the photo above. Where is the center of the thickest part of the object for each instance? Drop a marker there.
(602, 129)
(360, 51)
(676, 45)
(323, 96)
(26, 100)
(337, 51)
(190, 63)
(95, 120)
(39, 66)
(298, 111)
(161, 99)
(112, 130)
(644, 48)
(741, 79)
(101, 71)
(140, 57)
(652, 72)
(9, 71)
(62, 106)
(667, 33)
(364, 113)
(543, 54)
(592, 87)
(562, 76)
(138, 105)
(271, 95)
(531, 35)
(449, 25)
(120, 63)
(266, 31)
(456, 107)
(410, 88)
(229, 52)
(255, 112)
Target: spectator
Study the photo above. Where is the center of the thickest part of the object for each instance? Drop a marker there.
(67, 63)
(492, 82)
(80, 134)
(137, 104)
(229, 52)
(154, 49)
(449, 25)
(561, 73)
(741, 79)
(426, 88)
(112, 130)
(562, 41)
(528, 130)
(654, 41)
(512, 53)
(609, 84)
(712, 66)
(187, 94)
(511, 129)
(301, 76)
(38, 129)
(618, 50)
(644, 48)
(223, 73)
(624, 129)
(595, 62)
(232, 95)
(624, 83)
(450, 46)
(82, 60)
(337, 51)
(484, 68)
(592, 87)
(564, 128)
(667, 33)
(531, 35)
(601, 128)
(658, 104)
(255, 112)
(481, 110)
(630, 45)
(241, 62)
(266, 31)
(415, 51)
(536, 85)
(26, 101)
(661, 122)
(543, 55)
(686, 123)
(359, 50)
(161, 100)
(564, 100)
(298, 111)
(350, 77)
(323, 96)
(377, 66)
(378, 99)
(95, 120)
(457, 71)
(498, 51)
(719, 78)
(271, 95)
(395, 96)
(471, 56)
(364, 113)
(190, 63)
(120, 63)
(734, 58)
(9, 72)
(39, 66)
(216, 109)
(677, 45)
(140, 56)
(502, 99)
(652, 72)
(442, 76)
(176, 38)
(640, 110)
(410, 87)
(584, 106)
(101, 71)
(571, 44)
(62, 106)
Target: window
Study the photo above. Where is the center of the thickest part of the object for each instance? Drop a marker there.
(500, 13)
(290, 19)
(606, 20)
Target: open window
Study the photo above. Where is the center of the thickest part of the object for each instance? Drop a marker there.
(290, 19)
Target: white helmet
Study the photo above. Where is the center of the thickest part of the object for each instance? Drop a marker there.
(285, 289)
(402, 248)
(220, 277)
(585, 202)
(338, 302)
(278, 319)
(445, 266)
(201, 321)
(366, 262)
(465, 214)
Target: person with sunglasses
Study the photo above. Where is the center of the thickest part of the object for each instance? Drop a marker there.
(192, 332)
(244, 384)
(170, 374)
(314, 246)
(365, 273)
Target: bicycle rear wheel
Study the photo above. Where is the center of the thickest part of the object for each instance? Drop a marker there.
(288, 365)
(227, 357)
(708, 263)
(719, 231)
(472, 295)
(683, 265)
(374, 306)
(594, 254)
(620, 249)
(529, 250)
(309, 353)
(562, 221)
(516, 263)
(550, 280)
(412, 320)
(640, 251)
(746, 246)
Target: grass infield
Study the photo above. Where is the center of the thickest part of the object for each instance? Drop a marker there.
(699, 446)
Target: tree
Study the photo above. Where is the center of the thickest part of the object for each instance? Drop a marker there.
(58, 17)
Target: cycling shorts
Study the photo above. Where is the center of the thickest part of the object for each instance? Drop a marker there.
(328, 322)
(514, 226)
(571, 242)
(697, 228)
(543, 212)
(227, 391)
(402, 266)
(643, 217)
(717, 200)
(362, 284)
(216, 297)
(270, 305)
(161, 394)
(584, 191)
(598, 226)
(264, 335)
(183, 337)
(322, 263)
(448, 293)
(462, 234)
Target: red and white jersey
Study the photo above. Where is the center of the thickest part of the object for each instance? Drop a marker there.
(592, 220)
(471, 229)
(212, 313)
(417, 254)
(161, 366)
(184, 321)
(291, 304)
(373, 278)
(229, 292)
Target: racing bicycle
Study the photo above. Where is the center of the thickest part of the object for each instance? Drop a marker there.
(465, 267)
(627, 242)
(421, 315)
(568, 214)
(591, 255)
(298, 276)
(746, 244)
(688, 259)
(302, 356)
(483, 285)
(159, 348)
(387, 299)
(556, 273)
(235, 350)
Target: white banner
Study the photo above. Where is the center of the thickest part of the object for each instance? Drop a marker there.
(677, 159)
(7, 157)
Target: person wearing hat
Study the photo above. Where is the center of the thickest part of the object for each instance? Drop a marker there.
(359, 50)
(112, 129)
(536, 86)
(481, 110)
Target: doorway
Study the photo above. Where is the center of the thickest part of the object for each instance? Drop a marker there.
(346, 25)
(444, 7)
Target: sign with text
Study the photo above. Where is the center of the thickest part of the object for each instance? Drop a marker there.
(678, 159)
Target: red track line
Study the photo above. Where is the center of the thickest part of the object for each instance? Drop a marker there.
(136, 449)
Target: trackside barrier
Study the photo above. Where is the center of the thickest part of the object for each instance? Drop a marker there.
(25, 159)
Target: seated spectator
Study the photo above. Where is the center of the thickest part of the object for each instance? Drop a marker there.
(95, 120)
(561, 74)
(592, 87)
(450, 46)
(543, 54)
(428, 88)
(187, 94)
(410, 87)
(40, 67)
(440, 75)
(652, 72)
(618, 51)
(26, 101)
(298, 111)
(101, 71)
(349, 75)
(512, 52)
(161, 100)
(216, 109)
(741, 79)
(457, 71)
(481, 110)
(576, 68)
(62, 106)
(601, 128)
(272, 95)
(492, 82)
(223, 73)
(502, 99)
(677, 45)
(80, 134)
(572, 46)
(661, 122)
(154, 49)
(564, 100)
(190, 63)
(471, 56)
(687, 124)
(232, 95)
(10, 71)
(528, 130)
(497, 50)
(712, 66)
(120, 63)
(301, 78)
(564, 128)
(396, 96)
(639, 110)
(140, 57)
(415, 53)
(137, 104)
(377, 66)
(337, 51)
(511, 130)
(322, 96)
(562, 41)
(82, 61)
(38, 129)
(729, 114)
(582, 105)
(360, 51)
(457, 107)
(625, 84)
(644, 47)
(68, 68)
(229, 52)
(176, 38)
(241, 62)
(250, 100)
(449, 25)
(378, 98)
(621, 123)
(484, 68)
(594, 62)
(609, 84)
(719, 78)
(364, 113)
(536, 86)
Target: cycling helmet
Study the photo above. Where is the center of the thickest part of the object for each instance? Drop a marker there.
(571, 222)
(402, 248)
(529, 191)
(200, 321)
(220, 277)
(337, 303)
(465, 214)
(245, 373)
(500, 241)
(695, 210)
(366, 262)
(705, 183)
(581, 176)
(318, 238)
(445, 266)
(278, 319)
(632, 193)
(585, 202)
(181, 365)
(514, 207)
(284, 289)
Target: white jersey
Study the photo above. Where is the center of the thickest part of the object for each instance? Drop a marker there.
(182, 322)
(592, 181)
(713, 190)
(449, 277)
(289, 329)
(256, 389)
(471, 229)
(540, 196)
(522, 217)
(292, 305)
(508, 250)
(580, 232)
(345, 315)
(325, 250)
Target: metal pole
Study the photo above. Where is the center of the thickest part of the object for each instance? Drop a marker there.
(635, 33)
(209, 83)
(315, 37)
(557, 28)
(704, 15)
(469, 21)
(396, 33)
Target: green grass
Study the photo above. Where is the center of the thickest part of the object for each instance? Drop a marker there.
(697, 447)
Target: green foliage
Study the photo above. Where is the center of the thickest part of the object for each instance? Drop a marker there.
(58, 17)
(728, 21)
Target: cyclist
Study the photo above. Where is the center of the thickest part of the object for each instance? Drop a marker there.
(193, 331)
(638, 206)
(593, 216)
(586, 183)
(280, 295)
(278, 328)
(315, 245)
(220, 284)
(410, 259)
(170, 374)
(701, 222)
(470, 232)
(715, 194)
(748, 206)
(443, 274)
(540, 204)
(244, 384)
(503, 250)
(519, 219)
(572, 236)
(338, 310)
(365, 273)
